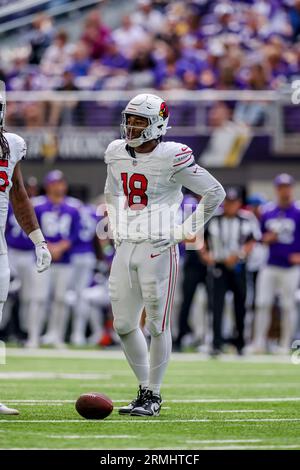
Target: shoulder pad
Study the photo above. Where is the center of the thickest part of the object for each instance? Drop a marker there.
(113, 147)
(17, 146)
(182, 155)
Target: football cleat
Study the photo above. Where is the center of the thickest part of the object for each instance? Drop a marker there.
(138, 401)
(150, 406)
(4, 410)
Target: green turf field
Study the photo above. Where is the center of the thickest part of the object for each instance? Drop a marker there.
(208, 404)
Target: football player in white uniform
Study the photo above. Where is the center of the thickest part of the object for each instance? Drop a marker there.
(143, 193)
(12, 150)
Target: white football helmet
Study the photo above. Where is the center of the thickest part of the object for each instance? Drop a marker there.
(151, 107)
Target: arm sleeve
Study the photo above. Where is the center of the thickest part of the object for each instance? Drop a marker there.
(201, 182)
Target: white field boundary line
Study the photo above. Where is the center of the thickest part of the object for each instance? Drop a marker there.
(52, 375)
(87, 376)
(237, 411)
(92, 436)
(70, 403)
(220, 384)
(222, 441)
(152, 421)
(197, 400)
(180, 357)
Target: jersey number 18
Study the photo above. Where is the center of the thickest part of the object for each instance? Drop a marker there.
(137, 187)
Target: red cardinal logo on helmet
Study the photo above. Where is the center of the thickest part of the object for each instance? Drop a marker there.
(164, 112)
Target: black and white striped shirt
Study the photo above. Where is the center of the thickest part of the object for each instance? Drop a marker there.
(225, 236)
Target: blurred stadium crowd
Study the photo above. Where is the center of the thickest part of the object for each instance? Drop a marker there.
(215, 306)
(197, 44)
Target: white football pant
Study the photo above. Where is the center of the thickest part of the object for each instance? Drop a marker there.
(274, 280)
(82, 266)
(22, 265)
(4, 281)
(54, 282)
(142, 277)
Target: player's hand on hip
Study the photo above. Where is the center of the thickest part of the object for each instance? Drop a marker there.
(43, 257)
(163, 243)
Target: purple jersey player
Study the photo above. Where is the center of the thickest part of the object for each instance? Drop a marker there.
(61, 223)
(16, 238)
(83, 262)
(281, 232)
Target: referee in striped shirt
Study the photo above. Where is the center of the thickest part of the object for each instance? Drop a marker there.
(229, 238)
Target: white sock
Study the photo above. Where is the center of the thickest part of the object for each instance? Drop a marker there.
(288, 327)
(79, 319)
(58, 321)
(62, 317)
(36, 319)
(262, 323)
(136, 351)
(160, 352)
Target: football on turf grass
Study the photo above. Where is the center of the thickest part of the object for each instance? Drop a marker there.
(94, 405)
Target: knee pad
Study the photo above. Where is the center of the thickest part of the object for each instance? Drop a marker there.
(151, 293)
(123, 327)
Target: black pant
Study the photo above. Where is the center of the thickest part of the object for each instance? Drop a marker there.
(223, 280)
(193, 275)
(251, 290)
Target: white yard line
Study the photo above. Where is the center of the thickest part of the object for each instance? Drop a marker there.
(42, 404)
(98, 377)
(237, 411)
(52, 375)
(210, 385)
(65, 403)
(129, 420)
(91, 436)
(197, 400)
(222, 441)
(118, 354)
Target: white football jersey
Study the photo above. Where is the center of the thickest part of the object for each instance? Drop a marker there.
(17, 148)
(144, 191)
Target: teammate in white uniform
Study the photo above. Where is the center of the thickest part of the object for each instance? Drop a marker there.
(143, 193)
(12, 150)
